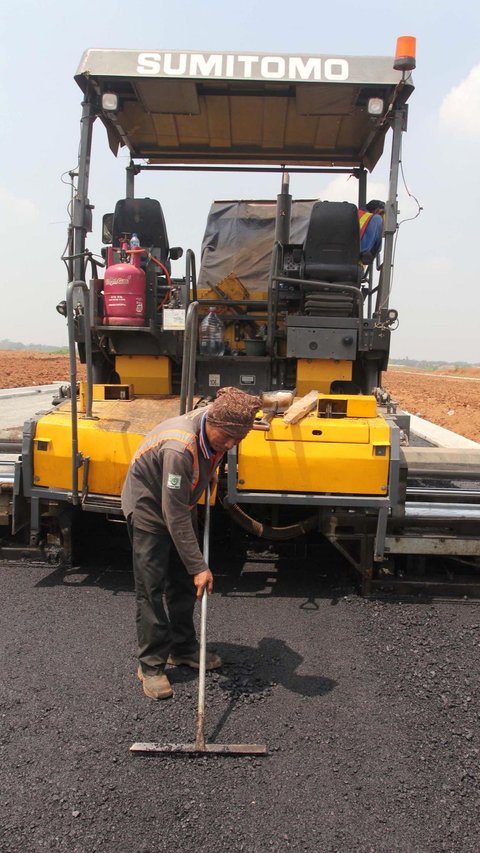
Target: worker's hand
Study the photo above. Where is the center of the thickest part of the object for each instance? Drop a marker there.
(203, 580)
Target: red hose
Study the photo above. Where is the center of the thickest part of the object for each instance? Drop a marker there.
(167, 276)
(159, 263)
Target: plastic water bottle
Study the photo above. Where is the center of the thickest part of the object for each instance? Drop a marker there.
(211, 334)
(135, 256)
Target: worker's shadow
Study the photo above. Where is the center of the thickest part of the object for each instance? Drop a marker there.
(251, 673)
(273, 662)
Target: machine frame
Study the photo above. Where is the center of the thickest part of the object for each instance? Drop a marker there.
(185, 110)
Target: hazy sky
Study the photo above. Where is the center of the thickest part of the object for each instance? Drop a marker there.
(437, 272)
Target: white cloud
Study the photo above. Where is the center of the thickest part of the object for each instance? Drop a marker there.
(460, 109)
(342, 188)
(17, 208)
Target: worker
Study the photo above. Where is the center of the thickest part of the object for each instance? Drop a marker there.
(370, 221)
(167, 476)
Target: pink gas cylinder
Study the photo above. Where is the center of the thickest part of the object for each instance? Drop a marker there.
(124, 289)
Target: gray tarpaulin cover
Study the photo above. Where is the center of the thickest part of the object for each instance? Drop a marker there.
(239, 238)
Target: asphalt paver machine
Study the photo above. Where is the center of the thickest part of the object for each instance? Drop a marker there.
(307, 323)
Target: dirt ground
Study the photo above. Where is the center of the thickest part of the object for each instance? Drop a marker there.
(449, 398)
(21, 368)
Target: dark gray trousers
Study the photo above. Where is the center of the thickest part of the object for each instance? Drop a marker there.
(161, 579)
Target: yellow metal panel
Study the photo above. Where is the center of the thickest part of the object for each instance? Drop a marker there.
(361, 407)
(109, 439)
(347, 405)
(109, 454)
(338, 460)
(149, 374)
(324, 430)
(316, 374)
(103, 392)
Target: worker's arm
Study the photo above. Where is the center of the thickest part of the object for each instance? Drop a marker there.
(177, 515)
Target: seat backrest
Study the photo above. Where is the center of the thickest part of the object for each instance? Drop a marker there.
(142, 216)
(332, 244)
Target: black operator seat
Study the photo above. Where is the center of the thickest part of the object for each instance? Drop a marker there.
(144, 217)
(331, 253)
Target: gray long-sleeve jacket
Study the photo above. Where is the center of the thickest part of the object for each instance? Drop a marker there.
(167, 476)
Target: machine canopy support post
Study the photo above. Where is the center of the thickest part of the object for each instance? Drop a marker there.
(283, 214)
(362, 187)
(391, 211)
(282, 237)
(131, 170)
(81, 214)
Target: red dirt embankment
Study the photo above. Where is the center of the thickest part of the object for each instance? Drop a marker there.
(449, 398)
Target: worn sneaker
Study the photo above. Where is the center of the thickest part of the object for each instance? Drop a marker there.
(155, 686)
(213, 661)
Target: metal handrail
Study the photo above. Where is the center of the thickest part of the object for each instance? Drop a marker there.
(272, 288)
(315, 284)
(189, 358)
(191, 275)
(77, 458)
(232, 303)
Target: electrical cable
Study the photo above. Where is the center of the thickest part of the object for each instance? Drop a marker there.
(407, 219)
(411, 195)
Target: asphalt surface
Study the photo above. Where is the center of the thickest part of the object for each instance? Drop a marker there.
(370, 712)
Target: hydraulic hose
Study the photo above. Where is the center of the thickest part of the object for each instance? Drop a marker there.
(265, 531)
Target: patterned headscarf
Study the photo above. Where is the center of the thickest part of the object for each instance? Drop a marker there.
(233, 411)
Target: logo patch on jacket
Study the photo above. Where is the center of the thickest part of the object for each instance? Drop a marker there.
(174, 481)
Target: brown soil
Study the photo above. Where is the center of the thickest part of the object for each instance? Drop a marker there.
(449, 398)
(20, 368)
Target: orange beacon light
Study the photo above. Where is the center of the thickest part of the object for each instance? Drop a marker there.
(405, 53)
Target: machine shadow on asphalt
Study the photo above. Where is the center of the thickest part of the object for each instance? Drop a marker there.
(302, 579)
(244, 570)
(306, 572)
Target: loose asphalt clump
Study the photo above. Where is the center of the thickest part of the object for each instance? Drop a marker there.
(370, 711)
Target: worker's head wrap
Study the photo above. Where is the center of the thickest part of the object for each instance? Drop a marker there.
(233, 411)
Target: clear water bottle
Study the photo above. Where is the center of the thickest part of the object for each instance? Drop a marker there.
(135, 256)
(211, 334)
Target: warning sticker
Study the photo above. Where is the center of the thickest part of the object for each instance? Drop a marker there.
(173, 319)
